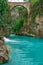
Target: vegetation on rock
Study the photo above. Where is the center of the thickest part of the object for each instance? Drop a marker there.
(16, 19)
(36, 12)
(5, 17)
(5, 22)
(18, 25)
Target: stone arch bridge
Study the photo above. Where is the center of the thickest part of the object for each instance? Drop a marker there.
(25, 4)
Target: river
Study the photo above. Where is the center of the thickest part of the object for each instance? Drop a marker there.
(24, 50)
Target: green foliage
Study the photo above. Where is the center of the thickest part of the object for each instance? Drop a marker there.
(5, 15)
(3, 6)
(33, 1)
(18, 25)
(36, 9)
(41, 7)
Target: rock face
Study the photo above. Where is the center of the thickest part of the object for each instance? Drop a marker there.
(3, 53)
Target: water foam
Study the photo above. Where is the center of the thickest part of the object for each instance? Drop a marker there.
(9, 40)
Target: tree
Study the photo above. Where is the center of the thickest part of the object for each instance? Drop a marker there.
(41, 7)
(5, 16)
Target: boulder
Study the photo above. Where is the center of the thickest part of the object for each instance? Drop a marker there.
(4, 54)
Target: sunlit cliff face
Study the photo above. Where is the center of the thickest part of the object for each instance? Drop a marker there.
(15, 0)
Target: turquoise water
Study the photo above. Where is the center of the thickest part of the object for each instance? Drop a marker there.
(25, 50)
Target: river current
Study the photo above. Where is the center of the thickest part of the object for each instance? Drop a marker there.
(24, 50)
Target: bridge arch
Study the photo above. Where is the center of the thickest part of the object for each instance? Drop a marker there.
(19, 8)
(25, 4)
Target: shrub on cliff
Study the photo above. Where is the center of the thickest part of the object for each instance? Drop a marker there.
(18, 25)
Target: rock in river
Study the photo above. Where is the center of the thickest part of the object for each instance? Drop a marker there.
(4, 53)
